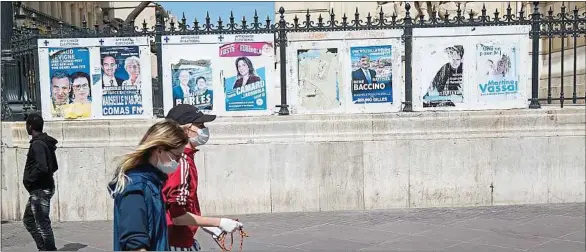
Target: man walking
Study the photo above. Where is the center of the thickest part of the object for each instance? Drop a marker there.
(183, 212)
(41, 163)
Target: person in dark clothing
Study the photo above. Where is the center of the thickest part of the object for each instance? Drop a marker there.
(41, 163)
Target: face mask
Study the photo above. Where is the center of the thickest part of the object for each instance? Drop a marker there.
(203, 135)
(169, 167)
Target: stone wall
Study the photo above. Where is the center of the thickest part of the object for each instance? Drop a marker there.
(330, 162)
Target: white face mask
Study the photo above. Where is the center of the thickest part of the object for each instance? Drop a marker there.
(169, 167)
(203, 135)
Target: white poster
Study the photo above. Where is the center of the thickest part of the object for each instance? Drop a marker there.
(498, 74)
(226, 74)
(95, 78)
(470, 69)
(345, 72)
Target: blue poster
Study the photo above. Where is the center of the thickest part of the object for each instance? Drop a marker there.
(372, 74)
(121, 81)
(192, 84)
(70, 82)
(245, 84)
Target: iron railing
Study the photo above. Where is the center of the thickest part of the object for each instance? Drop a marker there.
(544, 27)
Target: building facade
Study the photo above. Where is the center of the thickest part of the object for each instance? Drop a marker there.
(70, 12)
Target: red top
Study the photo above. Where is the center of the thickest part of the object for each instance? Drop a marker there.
(180, 192)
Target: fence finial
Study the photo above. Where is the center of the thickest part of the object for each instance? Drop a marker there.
(84, 22)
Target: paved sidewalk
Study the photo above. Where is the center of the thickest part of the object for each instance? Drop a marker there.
(548, 228)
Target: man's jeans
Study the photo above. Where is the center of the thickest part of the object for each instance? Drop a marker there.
(36, 219)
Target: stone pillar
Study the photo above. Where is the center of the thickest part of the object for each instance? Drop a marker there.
(56, 10)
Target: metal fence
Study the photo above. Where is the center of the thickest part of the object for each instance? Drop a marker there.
(23, 92)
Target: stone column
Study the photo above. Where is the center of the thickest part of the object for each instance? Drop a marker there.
(56, 10)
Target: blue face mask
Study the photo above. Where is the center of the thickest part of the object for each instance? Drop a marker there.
(168, 167)
(203, 135)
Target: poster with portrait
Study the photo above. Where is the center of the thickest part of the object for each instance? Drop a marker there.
(192, 84)
(497, 75)
(95, 78)
(446, 89)
(344, 71)
(470, 69)
(121, 81)
(319, 78)
(244, 74)
(188, 78)
(371, 79)
(70, 83)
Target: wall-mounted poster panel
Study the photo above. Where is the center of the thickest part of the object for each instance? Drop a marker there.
(470, 68)
(345, 72)
(225, 74)
(95, 78)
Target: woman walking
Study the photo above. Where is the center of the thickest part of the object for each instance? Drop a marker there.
(139, 212)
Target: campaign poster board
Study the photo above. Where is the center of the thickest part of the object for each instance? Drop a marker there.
(345, 72)
(470, 68)
(95, 78)
(225, 75)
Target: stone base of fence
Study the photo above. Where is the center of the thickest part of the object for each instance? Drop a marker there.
(330, 162)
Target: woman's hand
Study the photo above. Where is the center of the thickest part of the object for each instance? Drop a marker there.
(229, 225)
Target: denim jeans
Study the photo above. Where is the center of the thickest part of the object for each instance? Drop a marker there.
(36, 219)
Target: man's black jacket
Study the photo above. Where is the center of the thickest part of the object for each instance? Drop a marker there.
(41, 163)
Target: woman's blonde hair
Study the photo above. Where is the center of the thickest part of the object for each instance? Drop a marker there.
(166, 134)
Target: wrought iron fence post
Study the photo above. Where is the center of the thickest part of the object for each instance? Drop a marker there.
(535, 32)
(408, 41)
(35, 92)
(9, 76)
(158, 86)
(284, 108)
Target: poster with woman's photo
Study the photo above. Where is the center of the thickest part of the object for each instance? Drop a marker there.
(245, 86)
(497, 76)
(120, 81)
(70, 83)
(446, 89)
(192, 84)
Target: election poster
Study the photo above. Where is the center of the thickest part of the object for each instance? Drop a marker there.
(244, 75)
(95, 78)
(371, 74)
(319, 78)
(188, 78)
(70, 83)
(446, 88)
(497, 76)
(121, 81)
(192, 84)
(470, 69)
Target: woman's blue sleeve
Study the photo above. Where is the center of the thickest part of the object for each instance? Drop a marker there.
(133, 222)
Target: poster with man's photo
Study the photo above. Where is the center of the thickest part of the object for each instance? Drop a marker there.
(446, 88)
(497, 76)
(70, 83)
(192, 84)
(244, 78)
(371, 74)
(120, 81)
